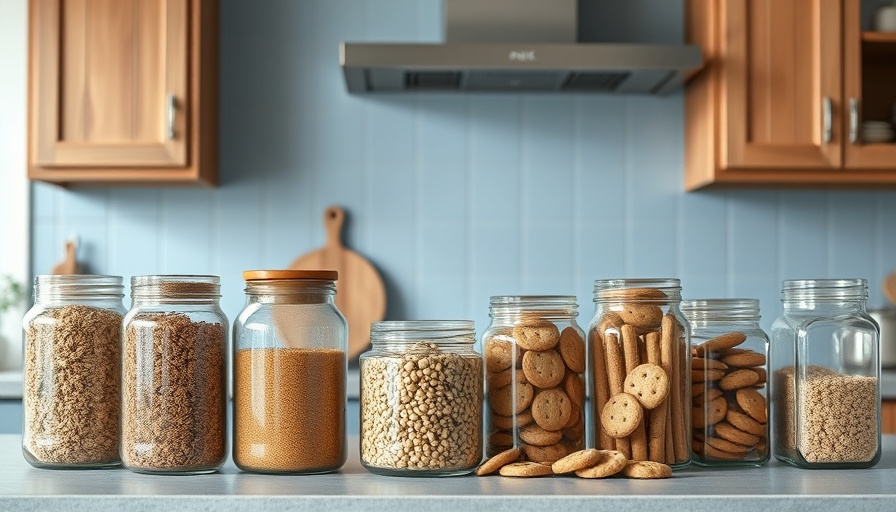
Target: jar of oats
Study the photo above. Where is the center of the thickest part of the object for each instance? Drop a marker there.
(826, 376)
(71, 372)
(289, 372)
(641, 370)
(174, 376)
(729, 397)
(421, 399)
(535, 361)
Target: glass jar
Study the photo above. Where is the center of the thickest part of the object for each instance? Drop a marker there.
(421, 399)
(535, 361)
(174, 376)
(826, 376)
(729, 369)
(71, 373)
(289, 370)
(639, 342)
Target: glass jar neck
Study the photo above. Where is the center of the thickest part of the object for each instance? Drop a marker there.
(175, 289)
(78, 288)
(659, 291)
(290, 291)
(727, 311)
(400, 335)
(512, 308)
(824, 294)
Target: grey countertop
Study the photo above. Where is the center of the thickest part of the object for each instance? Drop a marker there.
(772, 487)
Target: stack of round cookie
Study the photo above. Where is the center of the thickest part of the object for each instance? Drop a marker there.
(590, 463)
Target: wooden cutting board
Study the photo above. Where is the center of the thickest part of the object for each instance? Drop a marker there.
(360, 294)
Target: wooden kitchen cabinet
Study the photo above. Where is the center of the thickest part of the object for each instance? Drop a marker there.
(123, 92)
(888, 417)
(785, 88)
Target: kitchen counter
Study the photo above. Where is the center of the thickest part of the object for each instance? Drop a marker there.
(774, 486)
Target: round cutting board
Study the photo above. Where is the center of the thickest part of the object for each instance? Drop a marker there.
(360, 294)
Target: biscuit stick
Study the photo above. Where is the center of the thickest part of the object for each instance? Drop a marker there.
(667, 351)
(632, 360)
(601, 389)
(672, 338)
(615, 379)
(656, 436)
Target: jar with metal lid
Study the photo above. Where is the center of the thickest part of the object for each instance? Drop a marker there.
(421, 399)
(289, 372)
(174, 376)
(535, 362)
(729, 363)
(71, 373)
(826, 376)
(639, 342)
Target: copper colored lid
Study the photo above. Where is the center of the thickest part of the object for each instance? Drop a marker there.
(257, 275)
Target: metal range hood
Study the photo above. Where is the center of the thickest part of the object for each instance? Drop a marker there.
(515, 46)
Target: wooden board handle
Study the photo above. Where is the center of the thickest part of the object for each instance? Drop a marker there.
(333, 219)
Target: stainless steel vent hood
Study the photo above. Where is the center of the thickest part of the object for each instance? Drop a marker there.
(515, 46)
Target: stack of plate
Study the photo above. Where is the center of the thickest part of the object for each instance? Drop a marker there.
(877, 131)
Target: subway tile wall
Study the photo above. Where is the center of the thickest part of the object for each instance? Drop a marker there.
(457, 198)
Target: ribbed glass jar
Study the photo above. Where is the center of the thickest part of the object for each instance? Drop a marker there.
(72, 370)
(174, 376)
(639, 342)
(535, 363)
(729, 374)
(826, 376)
(289, 371)
(421, 399)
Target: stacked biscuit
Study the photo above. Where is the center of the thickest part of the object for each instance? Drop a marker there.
(536, 389)
(729, 414)
(588, 463)
(639, 360)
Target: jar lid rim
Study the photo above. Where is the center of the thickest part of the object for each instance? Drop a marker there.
(260, 275)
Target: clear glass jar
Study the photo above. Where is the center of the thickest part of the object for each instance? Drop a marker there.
(729, 373)
(421, 399)
(535, 362)
(72, 370)
(290, 347)
(174, 376)
(826, 376)
(638, 322)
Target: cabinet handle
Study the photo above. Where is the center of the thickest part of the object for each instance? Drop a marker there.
(171, 114)
(826, 120)
(854, 120)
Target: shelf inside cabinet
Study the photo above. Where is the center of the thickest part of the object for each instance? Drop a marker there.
(878, 75)
(883, 38)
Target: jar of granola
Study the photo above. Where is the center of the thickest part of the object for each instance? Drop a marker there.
(729, 362)
(71, 372)
(826, 376)
(535, 362)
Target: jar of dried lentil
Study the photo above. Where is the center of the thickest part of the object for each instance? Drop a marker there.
(729, 404)
(535, 362)
(71, 372)
(826, 376)
(289, 369)
(641, 369)
(421, 399)
(174, 385)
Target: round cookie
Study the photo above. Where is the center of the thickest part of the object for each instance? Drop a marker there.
(739, 379)
(645, 316)
(495, 463)
(645, 469)
(610, 321)
(621, 415)
(572, 349)
(574, 386)
(502, 399)
(713, 413)
(551, 409)
(726, 445)
(543, 369)
(728, 432)
(745, 360)
(702, 375)
(575, 461)
(744, 422)
(648, 383)
(525, 469)
(498, 355)
(500, 438)
(752, 403)
(505, 377)
(507, 422)
(537, 436)
(536, 335)
(545, 454)
(723, 342)
(707, 395)
(714, 453)
(701, 363)
(611, 462)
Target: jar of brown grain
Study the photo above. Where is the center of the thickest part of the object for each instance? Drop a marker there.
(290, 347)
(71, 372)
(174, 376)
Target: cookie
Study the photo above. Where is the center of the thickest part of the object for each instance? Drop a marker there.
(634, 293)
(611, 462)
(739, 379)
(525, 469)
(702, 363)
(536, 335)
(723, 342)
(551, 409)
(502, 399)
(744, 422)
(726, 445)
(498, 355)
(545, 454)
(537, 436)
(574, 431)
(543, 369)
(706, 375)
(706, 395)
(763, 375)
(495, 463)
(645, 316)
(575, 461)
(753, 404)
(621, 415)
(648, 383)
(610, 322)
(711, 452)
(645, 469)
(728, 432)
(745, 360)
(501, 438)
(508, 422)
(505, 377)
(574, 386)
(711, 414)
(572, 349)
